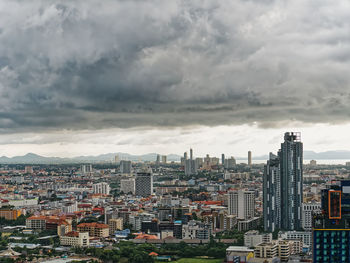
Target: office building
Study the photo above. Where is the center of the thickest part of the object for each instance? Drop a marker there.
(101, 188)
(331, 227)
(249, 158)
(127, 185)
(144, 184)
(223, 160)
(125, 167)
(283, 186)
(241, 203)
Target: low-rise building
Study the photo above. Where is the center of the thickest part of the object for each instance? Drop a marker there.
(75, 239)
(9, 213)
(94, 229)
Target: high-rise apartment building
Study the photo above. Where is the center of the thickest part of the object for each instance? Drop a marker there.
(86, 168)
(164, 159)
(101, 188)
(223, 160)
(308, 209)
(249, 158)
(144, 184)
(191, 166)
(283, 186)
(125, 167)
(241, 203)
(272, 194)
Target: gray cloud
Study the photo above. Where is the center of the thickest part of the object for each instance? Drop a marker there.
(92, 65)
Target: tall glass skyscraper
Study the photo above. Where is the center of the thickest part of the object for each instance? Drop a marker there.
(283, 186)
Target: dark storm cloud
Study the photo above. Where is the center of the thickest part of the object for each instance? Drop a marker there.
(101, 64)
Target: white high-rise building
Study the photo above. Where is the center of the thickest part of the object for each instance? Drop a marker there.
(144, 184)
(307, 210)
(86, 168)
(101, 188)
(125, 167)
(127, 185)
(241, 203)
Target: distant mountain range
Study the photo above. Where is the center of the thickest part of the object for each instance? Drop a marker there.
(31, 158)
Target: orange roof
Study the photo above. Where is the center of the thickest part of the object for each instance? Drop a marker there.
(146, 236)
(94, 224)
(72, 234)
(153, 254)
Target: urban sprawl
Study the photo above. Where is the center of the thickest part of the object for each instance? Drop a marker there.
(195, 210)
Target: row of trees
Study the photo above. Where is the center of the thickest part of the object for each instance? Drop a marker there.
(128, 252)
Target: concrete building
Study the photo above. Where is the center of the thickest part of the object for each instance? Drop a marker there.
(307, 211)
(125, 167)
(94, 229)
(253, 238)
(75, 239)
(239, 254)
(242, 204)
(101, 188)
(164, 159)
(249, 158)
(9, 213)
(86, 169)
(196, 230)
(283, 186)
(144, 184)
(115, 224)
(127, 185)
(266, 250)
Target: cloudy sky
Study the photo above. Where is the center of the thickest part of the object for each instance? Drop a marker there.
(90, 77)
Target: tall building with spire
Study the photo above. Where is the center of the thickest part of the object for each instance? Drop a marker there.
(283, 186)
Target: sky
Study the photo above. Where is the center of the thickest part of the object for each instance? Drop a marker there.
(91, 77)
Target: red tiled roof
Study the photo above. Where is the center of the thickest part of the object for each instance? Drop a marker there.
(94, 224)
(72, 234)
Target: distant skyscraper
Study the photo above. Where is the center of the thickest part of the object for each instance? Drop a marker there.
(144, 184)
(191, 166)
(125, 167)
(249, 158)
(283, 186)
(158, 160)
(242, 204)
(164, 159)
(223, 159)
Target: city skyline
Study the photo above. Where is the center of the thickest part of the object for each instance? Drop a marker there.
(172, 75)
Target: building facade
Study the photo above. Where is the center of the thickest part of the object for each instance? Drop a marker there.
(283, 186)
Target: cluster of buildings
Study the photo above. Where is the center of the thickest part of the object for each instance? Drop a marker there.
(283, 217)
